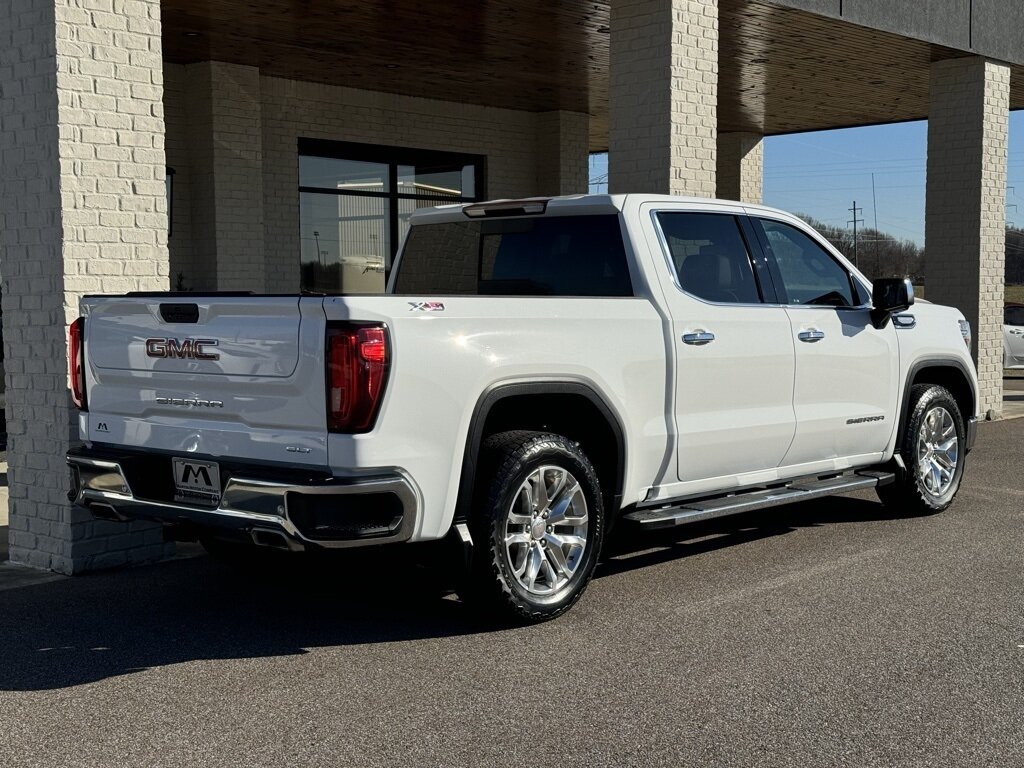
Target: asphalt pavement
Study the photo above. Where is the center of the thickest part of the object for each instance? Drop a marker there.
(1013, 395)
(827, 633)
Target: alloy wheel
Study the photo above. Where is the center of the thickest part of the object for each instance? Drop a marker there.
(546, 530)
(938, 451)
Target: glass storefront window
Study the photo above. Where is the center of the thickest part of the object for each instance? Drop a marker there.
(345, 242)
(445, 181)
(330, 173)
(355, 201)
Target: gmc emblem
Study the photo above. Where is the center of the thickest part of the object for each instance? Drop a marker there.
(187, 349)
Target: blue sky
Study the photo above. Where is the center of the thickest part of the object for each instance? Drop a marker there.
(820, 174)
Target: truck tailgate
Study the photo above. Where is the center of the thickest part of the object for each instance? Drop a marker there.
(237, 376)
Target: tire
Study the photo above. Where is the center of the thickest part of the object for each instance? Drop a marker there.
(514, 571)
(934, 461)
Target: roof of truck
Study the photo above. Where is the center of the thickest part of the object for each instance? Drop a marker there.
(566, 204)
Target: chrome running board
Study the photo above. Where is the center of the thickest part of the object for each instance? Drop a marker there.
(800, 489)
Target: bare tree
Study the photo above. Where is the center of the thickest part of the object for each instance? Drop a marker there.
(879, 253)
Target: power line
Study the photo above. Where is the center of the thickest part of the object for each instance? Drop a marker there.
(853, 189)
(825, 173)
(919, 159)
(872, 161)
(823, 170)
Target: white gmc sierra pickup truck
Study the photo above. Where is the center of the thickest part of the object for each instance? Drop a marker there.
(537, 370)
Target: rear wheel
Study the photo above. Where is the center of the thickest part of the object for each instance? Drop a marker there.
(932, 452)
(537, 532)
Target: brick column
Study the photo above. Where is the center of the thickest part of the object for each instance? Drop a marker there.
(82, 210)
(740, 164)
(563, 144)
(663, 96)
(965, 213)
(225, 130)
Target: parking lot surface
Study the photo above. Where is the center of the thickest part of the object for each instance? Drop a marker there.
(826, 633)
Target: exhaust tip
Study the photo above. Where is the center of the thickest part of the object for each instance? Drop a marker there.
(106, 512)
(272, 539)
(76, 485)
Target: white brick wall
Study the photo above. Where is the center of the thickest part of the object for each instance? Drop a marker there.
(740, 163)
(237, 135)
(212, 108)
(293, 109)
(82, 206)
(965, 216)
(214, 145)
(663, 96)
(563, 153)
(176, 108)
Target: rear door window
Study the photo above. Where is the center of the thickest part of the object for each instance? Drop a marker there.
(808, 273)
(543, 256)
(710, 256)
(1013, 316)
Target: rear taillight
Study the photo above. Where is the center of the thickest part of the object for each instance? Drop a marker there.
(357, 369)
(965, 331)
(76, 362)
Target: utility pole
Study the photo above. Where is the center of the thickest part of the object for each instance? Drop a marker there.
(855, 221)
(874, 207)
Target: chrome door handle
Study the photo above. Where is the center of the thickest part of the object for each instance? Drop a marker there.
(811, 335)
(698, 338)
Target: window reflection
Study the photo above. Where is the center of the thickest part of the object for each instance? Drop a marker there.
(355, 202)
(334, 174)
(443, 181)
(344, 243)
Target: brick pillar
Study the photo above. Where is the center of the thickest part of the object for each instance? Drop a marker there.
(965, 212)
(225, 130)
(663, 96)
(82, 210)
(740, 164)
(563, 153)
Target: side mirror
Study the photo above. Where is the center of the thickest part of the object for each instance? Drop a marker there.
(889, 296)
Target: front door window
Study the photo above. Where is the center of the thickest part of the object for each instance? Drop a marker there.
(809, 274)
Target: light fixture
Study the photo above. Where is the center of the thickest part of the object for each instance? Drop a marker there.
(169, 184)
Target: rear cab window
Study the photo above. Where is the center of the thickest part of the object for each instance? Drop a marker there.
(516, 256)
(1013, 316)
(709, 256)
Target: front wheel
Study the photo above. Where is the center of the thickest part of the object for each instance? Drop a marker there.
(538, 531)
(932, 450)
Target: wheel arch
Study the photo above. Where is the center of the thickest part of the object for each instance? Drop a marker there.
(949, 372)
(571, 408)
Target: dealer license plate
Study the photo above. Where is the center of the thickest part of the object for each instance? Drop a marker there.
(196, 482)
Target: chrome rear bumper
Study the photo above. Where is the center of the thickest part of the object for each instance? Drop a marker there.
(261, 509)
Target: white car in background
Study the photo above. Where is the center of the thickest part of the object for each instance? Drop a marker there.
(1013, 336)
